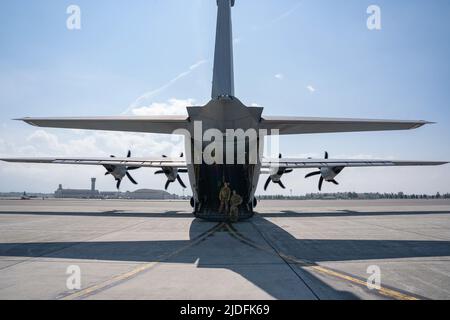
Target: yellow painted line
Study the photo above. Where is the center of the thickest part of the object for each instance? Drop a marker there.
(384, 291)
(310, 265)
(130, 274)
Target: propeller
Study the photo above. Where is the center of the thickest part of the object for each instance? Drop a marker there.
(172, 174)
(120, 171)
(326, 174)
(275, 176)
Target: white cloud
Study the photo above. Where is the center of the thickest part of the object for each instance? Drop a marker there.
(279, 76)
(171, 107)
(42, 139)
(311, 88)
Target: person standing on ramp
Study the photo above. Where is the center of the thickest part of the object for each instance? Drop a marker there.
(224, 197)
(235, 202)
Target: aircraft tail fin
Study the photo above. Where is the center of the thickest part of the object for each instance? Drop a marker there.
(223, 75)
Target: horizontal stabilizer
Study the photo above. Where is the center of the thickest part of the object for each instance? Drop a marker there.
(294, 125)
(154, 124)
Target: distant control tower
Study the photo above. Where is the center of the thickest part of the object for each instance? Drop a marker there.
(93, 184)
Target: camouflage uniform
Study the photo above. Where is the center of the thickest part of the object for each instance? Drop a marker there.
(235, 202)
(224, 197)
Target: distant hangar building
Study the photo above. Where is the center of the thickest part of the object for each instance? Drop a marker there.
(143, 194)
(78, 193)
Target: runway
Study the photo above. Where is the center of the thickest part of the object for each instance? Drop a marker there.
(291, 250)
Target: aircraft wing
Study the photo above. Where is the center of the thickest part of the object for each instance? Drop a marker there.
(266, 163)
(333, 163)
(295, 125)
(129, 162)
(154, 124)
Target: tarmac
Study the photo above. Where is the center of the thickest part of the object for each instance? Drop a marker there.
(308, 250)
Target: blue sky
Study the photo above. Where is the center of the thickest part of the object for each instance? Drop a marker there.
(165, 47)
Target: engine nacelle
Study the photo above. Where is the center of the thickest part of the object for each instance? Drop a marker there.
(329, 173)
(275, 175)
(119, 172)
(171, 173)
(326, 174)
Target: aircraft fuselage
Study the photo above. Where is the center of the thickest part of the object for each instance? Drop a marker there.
(237, 168)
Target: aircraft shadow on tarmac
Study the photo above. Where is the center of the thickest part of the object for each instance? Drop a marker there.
(222, 250)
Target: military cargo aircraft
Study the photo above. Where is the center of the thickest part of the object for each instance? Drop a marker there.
(224, 121)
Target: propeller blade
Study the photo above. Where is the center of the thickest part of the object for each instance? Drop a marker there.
(309, 175)
(281, 184)
(167, 184)
(131, 178)
(181, 182)
(159, 172)
(129, 154)
(335, 182)
(289, 171)
(320, 183)
(118, 184)
(267, 183)
(326, 155)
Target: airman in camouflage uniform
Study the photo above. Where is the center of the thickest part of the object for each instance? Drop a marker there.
(224, 197)
(235, 202)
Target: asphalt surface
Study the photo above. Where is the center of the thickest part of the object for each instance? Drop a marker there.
(290, 250)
